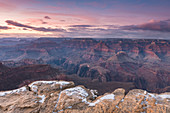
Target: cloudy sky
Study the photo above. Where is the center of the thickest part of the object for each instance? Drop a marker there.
(85, 18)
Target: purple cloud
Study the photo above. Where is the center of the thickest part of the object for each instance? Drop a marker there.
(162, 26)
(82, 26)
(24, 29)
(47, 17)
(4, 28)
(44, 22)
(43, 29)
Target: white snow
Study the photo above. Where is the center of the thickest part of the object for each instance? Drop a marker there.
(157, 97)
(109, 96)
(122, 100)
(117, 106)
(57, 102)
(164, 96)
(50, 82)
(82, 94)
(94, 92)
(76, 90)
(69, 107)
(51, 94)
(152, 95)
(34, 87)
(22, 89)
(42, 98)
(106, 97)
(145, 92)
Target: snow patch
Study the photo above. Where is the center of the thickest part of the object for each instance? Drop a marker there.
(164, 96)
(76, 90)
(117, 106)
(152, 95)
(155, 96)
(57, 102)
(34, 87)
(42, 98)
(145, 92)
(122, 100)
(22, 89)
(94, 92)
(106, 97)
(51, 94)
(161, 96)
(69, 107)
(50, 82)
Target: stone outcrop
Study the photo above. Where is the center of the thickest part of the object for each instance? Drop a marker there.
(65, 97)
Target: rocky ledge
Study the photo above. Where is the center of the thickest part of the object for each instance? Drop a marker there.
(65, 97)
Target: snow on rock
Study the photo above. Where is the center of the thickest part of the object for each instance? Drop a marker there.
(156, 96)
(82, 94)
(106, 97)
(34, 87)
(57, 102)
(71, 99)
(164, 96)
(109, 96)
(122, 100)
(50, 82)
(76, 90)
(72, 95)
(42, 98)
(22, 89)
(94, 93)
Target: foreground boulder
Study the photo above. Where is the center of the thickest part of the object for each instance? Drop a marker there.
(65, 97)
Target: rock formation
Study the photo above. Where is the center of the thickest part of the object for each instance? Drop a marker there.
(65, 97)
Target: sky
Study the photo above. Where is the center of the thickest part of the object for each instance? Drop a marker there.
(85, 18)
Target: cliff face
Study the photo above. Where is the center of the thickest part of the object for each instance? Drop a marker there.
(65, 97)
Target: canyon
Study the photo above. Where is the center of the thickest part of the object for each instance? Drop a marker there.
(137, 63)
